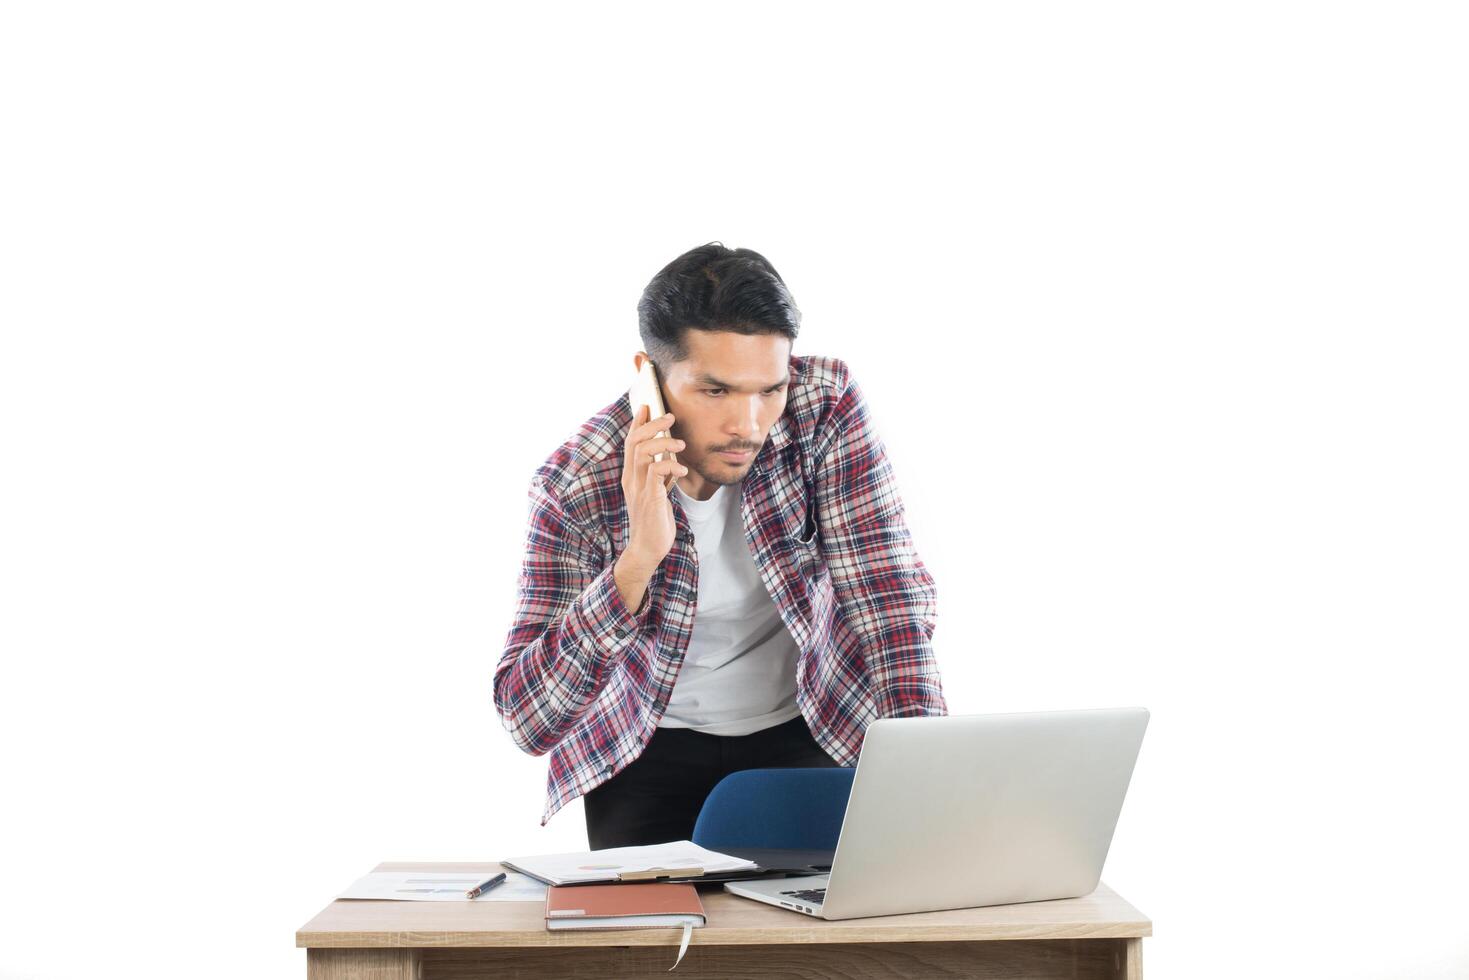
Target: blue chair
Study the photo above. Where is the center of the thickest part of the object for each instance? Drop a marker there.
(785, 808)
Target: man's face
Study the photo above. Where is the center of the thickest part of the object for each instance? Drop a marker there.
(725, 395)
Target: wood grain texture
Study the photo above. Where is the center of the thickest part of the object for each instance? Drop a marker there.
(1060, 959)
(362, 964)
(732, 921)
(1131, 965)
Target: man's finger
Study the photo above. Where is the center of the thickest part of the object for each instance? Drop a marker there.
(629, 467)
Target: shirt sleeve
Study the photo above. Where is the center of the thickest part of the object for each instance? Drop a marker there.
(886, 593)
(570, 625)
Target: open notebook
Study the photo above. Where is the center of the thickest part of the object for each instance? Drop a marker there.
(676, 859)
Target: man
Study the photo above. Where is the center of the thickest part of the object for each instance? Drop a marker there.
(752, 600)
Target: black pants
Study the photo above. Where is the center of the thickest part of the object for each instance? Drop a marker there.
(658, 796)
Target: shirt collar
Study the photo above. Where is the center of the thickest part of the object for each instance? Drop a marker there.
(780, 432)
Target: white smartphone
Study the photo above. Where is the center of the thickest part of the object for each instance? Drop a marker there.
(645, 391)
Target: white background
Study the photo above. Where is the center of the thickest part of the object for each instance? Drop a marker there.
(1160, 308)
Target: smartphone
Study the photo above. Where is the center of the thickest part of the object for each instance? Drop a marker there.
(645, 391)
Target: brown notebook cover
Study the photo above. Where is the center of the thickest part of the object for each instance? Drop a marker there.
(575, 904)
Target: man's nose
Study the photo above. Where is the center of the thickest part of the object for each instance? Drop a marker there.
(747, 426)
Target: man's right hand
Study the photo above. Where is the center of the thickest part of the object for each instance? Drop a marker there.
(645, 485)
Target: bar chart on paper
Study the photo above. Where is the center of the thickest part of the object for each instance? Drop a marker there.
(428, 886)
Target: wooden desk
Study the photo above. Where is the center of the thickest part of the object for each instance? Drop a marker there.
(1099, 935)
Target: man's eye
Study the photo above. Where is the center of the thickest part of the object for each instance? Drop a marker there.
(713, 391)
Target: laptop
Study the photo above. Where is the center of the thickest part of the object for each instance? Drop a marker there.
(958, 811)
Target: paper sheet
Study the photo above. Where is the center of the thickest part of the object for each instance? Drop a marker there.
(444, 886)
(581, 866)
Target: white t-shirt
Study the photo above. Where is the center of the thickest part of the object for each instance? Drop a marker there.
(739, 672)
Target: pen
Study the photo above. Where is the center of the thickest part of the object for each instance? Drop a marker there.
(480, 889)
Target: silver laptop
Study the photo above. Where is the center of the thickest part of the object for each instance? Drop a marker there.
(957, 811)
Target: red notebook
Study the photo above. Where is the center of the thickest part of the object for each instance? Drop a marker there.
(635, 905)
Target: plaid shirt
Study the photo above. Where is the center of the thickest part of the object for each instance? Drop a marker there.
(585, 679)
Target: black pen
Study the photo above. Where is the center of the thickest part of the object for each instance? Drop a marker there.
(479, 890)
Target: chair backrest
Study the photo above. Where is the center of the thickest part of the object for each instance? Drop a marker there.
(798, 808)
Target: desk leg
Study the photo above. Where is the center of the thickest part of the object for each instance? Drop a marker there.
(1130, 959)
(362, 964)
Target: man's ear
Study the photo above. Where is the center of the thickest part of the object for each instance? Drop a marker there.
(637, 360)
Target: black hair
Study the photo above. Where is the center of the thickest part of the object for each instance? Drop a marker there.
(713, 288)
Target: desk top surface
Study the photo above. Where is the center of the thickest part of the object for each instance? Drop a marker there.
(731, 920)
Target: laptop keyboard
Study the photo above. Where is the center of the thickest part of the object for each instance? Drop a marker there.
(815, 895)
